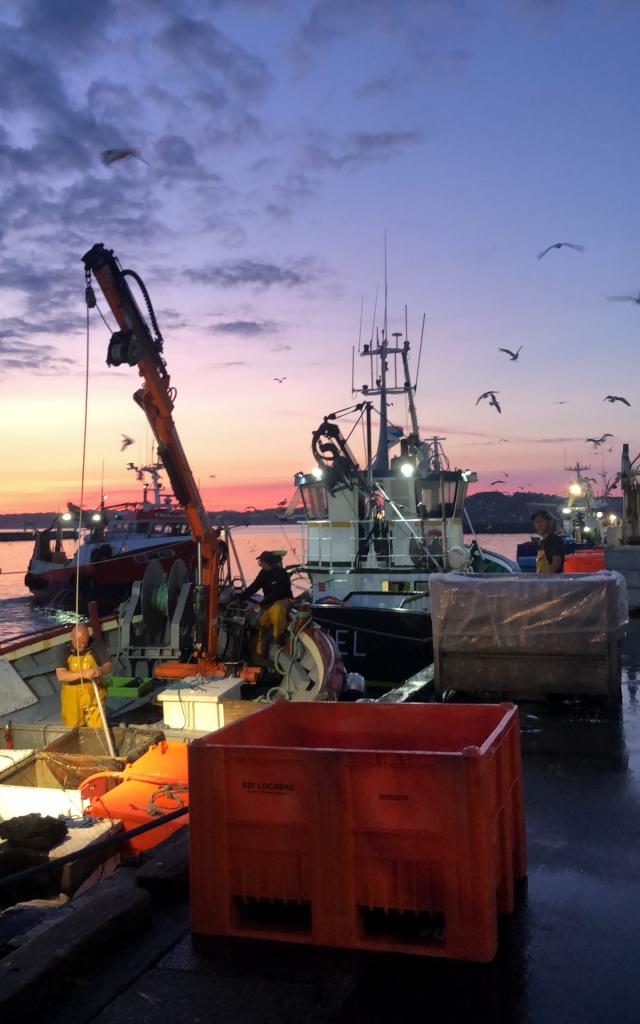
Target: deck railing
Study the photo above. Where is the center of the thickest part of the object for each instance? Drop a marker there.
(363, 544)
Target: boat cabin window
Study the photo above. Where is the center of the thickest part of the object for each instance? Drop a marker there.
(441, 496)
(156, 529)
(142, 527)
(314, 499)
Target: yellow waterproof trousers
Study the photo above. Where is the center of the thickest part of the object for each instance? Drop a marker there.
(274, 616)
(77, 700)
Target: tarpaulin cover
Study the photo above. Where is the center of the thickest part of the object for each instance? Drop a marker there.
(522, 611)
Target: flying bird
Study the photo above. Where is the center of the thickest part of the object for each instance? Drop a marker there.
(503, 440)
(559, 245)
(111, 156)
(279, 379)
(251, 508)
(281, 503)
(624, 298)
(212, 476)
(504, 473)
(597, 441)
(494, 482)
(495, 403)
(487, 394)
(126, 441)
(563, 402)
(616, 398)
(513, 355)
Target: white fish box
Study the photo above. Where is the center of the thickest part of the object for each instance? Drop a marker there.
(198, 704)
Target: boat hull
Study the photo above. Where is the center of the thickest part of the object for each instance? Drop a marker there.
(107, 582)
(383, 644)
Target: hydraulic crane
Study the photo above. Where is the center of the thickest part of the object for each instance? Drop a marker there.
(135, 345)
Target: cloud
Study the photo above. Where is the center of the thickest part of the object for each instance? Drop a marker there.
(245, 328)
(67, 23)
(251, 272)
(201, 49)
(360, 148)
(25, 356)
(224, 366)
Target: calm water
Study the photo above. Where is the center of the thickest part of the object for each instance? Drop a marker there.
(18, 615)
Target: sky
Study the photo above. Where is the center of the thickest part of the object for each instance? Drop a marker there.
(282, 140)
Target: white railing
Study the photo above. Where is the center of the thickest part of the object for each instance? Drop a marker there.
(362, 544)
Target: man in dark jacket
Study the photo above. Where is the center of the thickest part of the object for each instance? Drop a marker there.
(550, 557)
(273, 580)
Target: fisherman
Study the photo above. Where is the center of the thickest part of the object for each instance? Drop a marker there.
(273, 580)
(550, 557)
(354, 687)
(80, 662)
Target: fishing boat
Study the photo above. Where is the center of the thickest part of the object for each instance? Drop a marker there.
(374, 532)
(181, 652)
(115, 545)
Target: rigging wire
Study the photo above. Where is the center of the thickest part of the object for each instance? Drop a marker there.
(82, 472)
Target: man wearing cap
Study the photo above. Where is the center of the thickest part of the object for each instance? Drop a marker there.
(273, 580)
(550, 557)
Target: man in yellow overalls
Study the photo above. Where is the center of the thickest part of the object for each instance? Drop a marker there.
(273, 580)
(550, 557)
(80, 662)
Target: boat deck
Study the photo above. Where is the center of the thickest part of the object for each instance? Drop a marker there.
(569, 954)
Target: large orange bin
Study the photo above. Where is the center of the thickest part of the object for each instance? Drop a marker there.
(373, 826)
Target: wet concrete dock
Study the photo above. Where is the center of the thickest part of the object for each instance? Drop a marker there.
(570, 954)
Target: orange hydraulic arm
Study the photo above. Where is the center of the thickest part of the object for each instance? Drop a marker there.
(135, 345)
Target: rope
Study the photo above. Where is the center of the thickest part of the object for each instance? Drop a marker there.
(82, 473)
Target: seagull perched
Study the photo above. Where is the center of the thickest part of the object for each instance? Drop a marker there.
(512, 355)
(559, 245)
(494, 482)
(616, 398)
(126, 441)
(279, 379)
(624, 298)
(110, 156)
(597, 441)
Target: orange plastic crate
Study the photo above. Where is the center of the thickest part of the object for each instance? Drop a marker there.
(373, 826)
(591, 560)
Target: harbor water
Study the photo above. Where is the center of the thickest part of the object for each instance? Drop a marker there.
(18, 614)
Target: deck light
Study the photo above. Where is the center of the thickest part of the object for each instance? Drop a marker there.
(575, 489)
(566, 511)
(586, 529)
(66, 516)
(317, 473)
(407, 469)
(96, 517)
(613, 519)
(599, 515)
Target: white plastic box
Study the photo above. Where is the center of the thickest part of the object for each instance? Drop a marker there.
(197, 703)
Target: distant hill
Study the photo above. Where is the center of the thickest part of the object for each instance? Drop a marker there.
(488, 510)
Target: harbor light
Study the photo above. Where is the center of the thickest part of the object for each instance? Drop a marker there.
(66, 516)
(566, 511)
(613, 518)
(575, 489)
(407, 469)
(586, 529)
(96, 517)
(317, 473)
(599, 515)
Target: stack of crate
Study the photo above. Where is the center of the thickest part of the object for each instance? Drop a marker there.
(369, 826)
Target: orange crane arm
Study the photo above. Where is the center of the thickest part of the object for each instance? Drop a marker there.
(134, 344)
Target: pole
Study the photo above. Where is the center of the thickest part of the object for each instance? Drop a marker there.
(103, 717)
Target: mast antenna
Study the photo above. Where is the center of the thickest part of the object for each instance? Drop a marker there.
(360, 328)
(424, 317)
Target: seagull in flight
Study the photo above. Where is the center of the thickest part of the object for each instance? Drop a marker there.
(513, 355)
(491, 395)
(279, 379)
(494, 482)
(597, 441)
(251, 508)
(624, 298)
(503, 440)
(126, 441)
(212, 476)
(281, 503)
(559, 245)
(563, 402)
(111, 156)
(616, 398)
